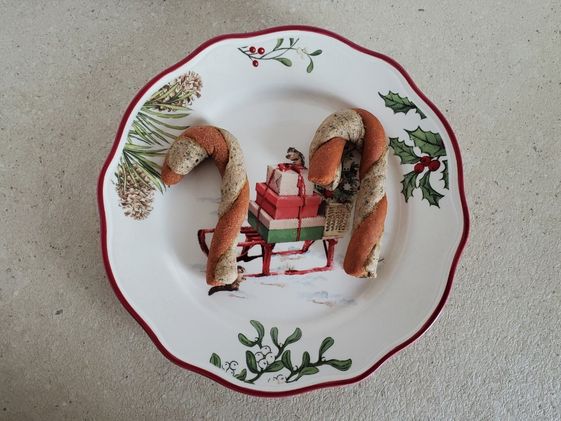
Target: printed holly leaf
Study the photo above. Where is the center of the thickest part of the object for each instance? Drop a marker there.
(259, 328)
(241, 375)
(325, 345)
(286, 361)
(341, 365)
(287, 62)
(409, 184)
(275, 366)
(400, 104)
(428, 142)
(215, 360)
(251, 362)
(295, 337)
(445, 174)
(430, 194)
(404, 151)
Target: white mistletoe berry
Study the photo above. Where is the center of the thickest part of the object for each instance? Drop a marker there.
(270, 358)
(259, 356)
(262, 364)
(266, 349)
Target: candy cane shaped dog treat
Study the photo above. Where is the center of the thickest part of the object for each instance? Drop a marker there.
(365, 131)
(189, 149)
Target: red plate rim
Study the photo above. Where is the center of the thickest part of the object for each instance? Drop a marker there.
(213, 376)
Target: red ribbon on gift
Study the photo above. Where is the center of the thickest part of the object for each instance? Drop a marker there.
(297, 168)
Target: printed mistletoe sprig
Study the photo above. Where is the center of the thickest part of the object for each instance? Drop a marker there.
(432, 149)
(138, 174)
(400, 104)
(279, 52)
(265, 360)
(349, 184)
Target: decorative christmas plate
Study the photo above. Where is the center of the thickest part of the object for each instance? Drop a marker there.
(297, 321)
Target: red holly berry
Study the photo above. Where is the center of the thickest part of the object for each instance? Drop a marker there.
(252, 50)
(425, 160)
(418, 168)
(261, 50)
(434, 165)
(255, 63)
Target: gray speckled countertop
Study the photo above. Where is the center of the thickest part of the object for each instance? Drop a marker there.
(69, 350)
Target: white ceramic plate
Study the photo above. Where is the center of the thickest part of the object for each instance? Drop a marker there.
(337, 329)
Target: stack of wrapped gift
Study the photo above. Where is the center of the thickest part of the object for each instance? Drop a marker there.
(286, 208)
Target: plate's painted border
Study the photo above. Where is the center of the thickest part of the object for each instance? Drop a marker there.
(204, 372)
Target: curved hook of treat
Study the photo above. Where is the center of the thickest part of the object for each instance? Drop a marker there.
(326, 150)
(189, 149)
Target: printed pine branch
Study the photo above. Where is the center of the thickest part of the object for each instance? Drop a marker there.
(152, 130)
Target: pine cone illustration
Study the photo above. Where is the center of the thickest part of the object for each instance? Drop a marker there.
(136, 193)
(164, 98)
(191, 82)
(179, 93)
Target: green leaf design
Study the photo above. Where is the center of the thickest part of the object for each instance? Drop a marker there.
(409, 184)
(280, 52)
(286, 61)
(325, 345)
(429, 142)
(138, 173)
(307, 371)
(161, 123)
(165, 115)
(445, 174)
(251, 362)
(286, 361)
(305, 359)
(241, 375)
(144, 150)
(259, 328)
(295, 337)
(243, 339)
(400, 104)
(275, 336)
(430, 194)
(275, 366)
(282, 360)
(341, 365)
(215, 360)
(404, 151)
